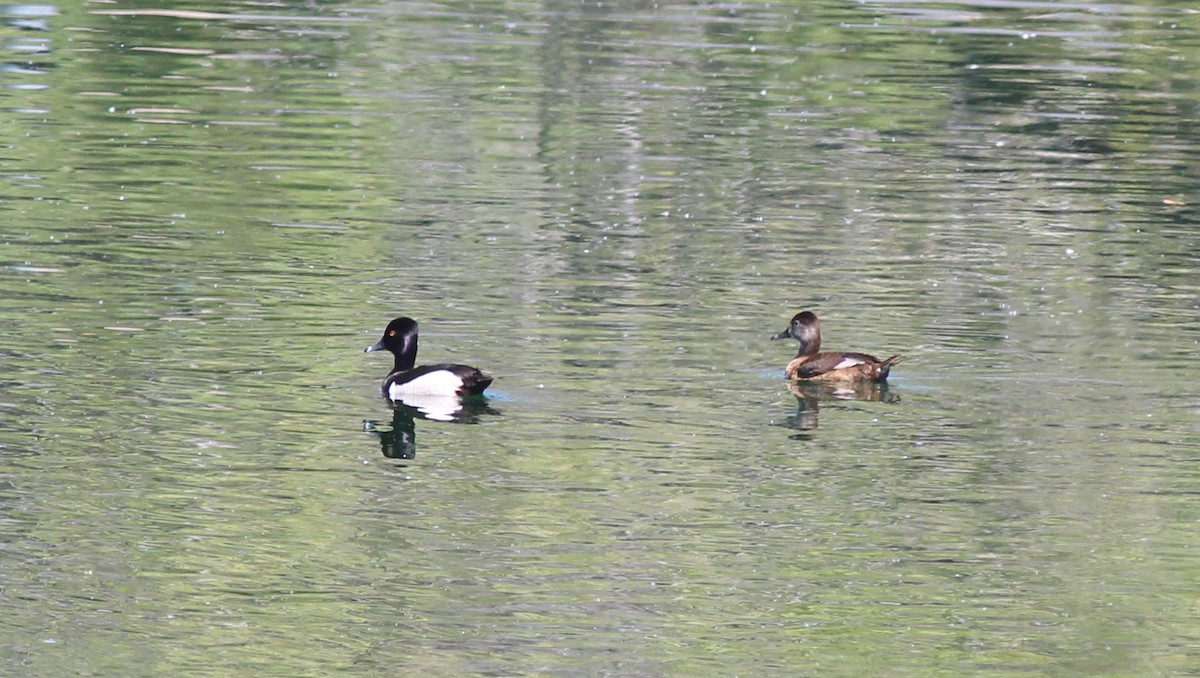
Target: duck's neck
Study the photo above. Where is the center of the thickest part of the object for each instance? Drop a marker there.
(809, 346)
(406, 357)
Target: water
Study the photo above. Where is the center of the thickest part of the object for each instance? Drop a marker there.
(209, 214)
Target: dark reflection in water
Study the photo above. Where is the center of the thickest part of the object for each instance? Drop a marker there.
(809, 395)
(401, 441)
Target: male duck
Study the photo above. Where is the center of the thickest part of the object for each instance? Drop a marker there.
(400, 338)
(809, 364)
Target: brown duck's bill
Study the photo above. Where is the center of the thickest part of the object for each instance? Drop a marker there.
(786, 334)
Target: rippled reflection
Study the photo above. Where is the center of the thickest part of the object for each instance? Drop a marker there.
(400, 442)
(810, 394)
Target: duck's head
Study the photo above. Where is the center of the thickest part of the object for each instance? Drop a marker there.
(806, 329)
(400, 338)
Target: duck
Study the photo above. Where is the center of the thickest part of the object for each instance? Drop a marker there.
(809, 363)
(400, 338)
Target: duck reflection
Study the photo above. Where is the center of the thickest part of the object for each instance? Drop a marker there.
(809, 395)
(401, 441)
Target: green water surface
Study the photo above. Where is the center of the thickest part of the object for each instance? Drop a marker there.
(209, 211)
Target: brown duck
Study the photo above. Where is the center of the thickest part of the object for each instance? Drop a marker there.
(810, 364)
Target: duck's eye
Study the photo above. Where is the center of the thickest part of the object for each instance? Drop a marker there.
(391, 333)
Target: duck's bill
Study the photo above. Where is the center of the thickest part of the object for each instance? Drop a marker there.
(782, 335)
(377, 346)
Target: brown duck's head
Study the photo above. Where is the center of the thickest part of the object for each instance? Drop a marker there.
(806, 329)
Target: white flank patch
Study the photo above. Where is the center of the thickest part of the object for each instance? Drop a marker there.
(434, 383)
(848, 362)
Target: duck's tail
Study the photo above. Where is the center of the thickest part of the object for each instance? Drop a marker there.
(886, 366)
(475, 384)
